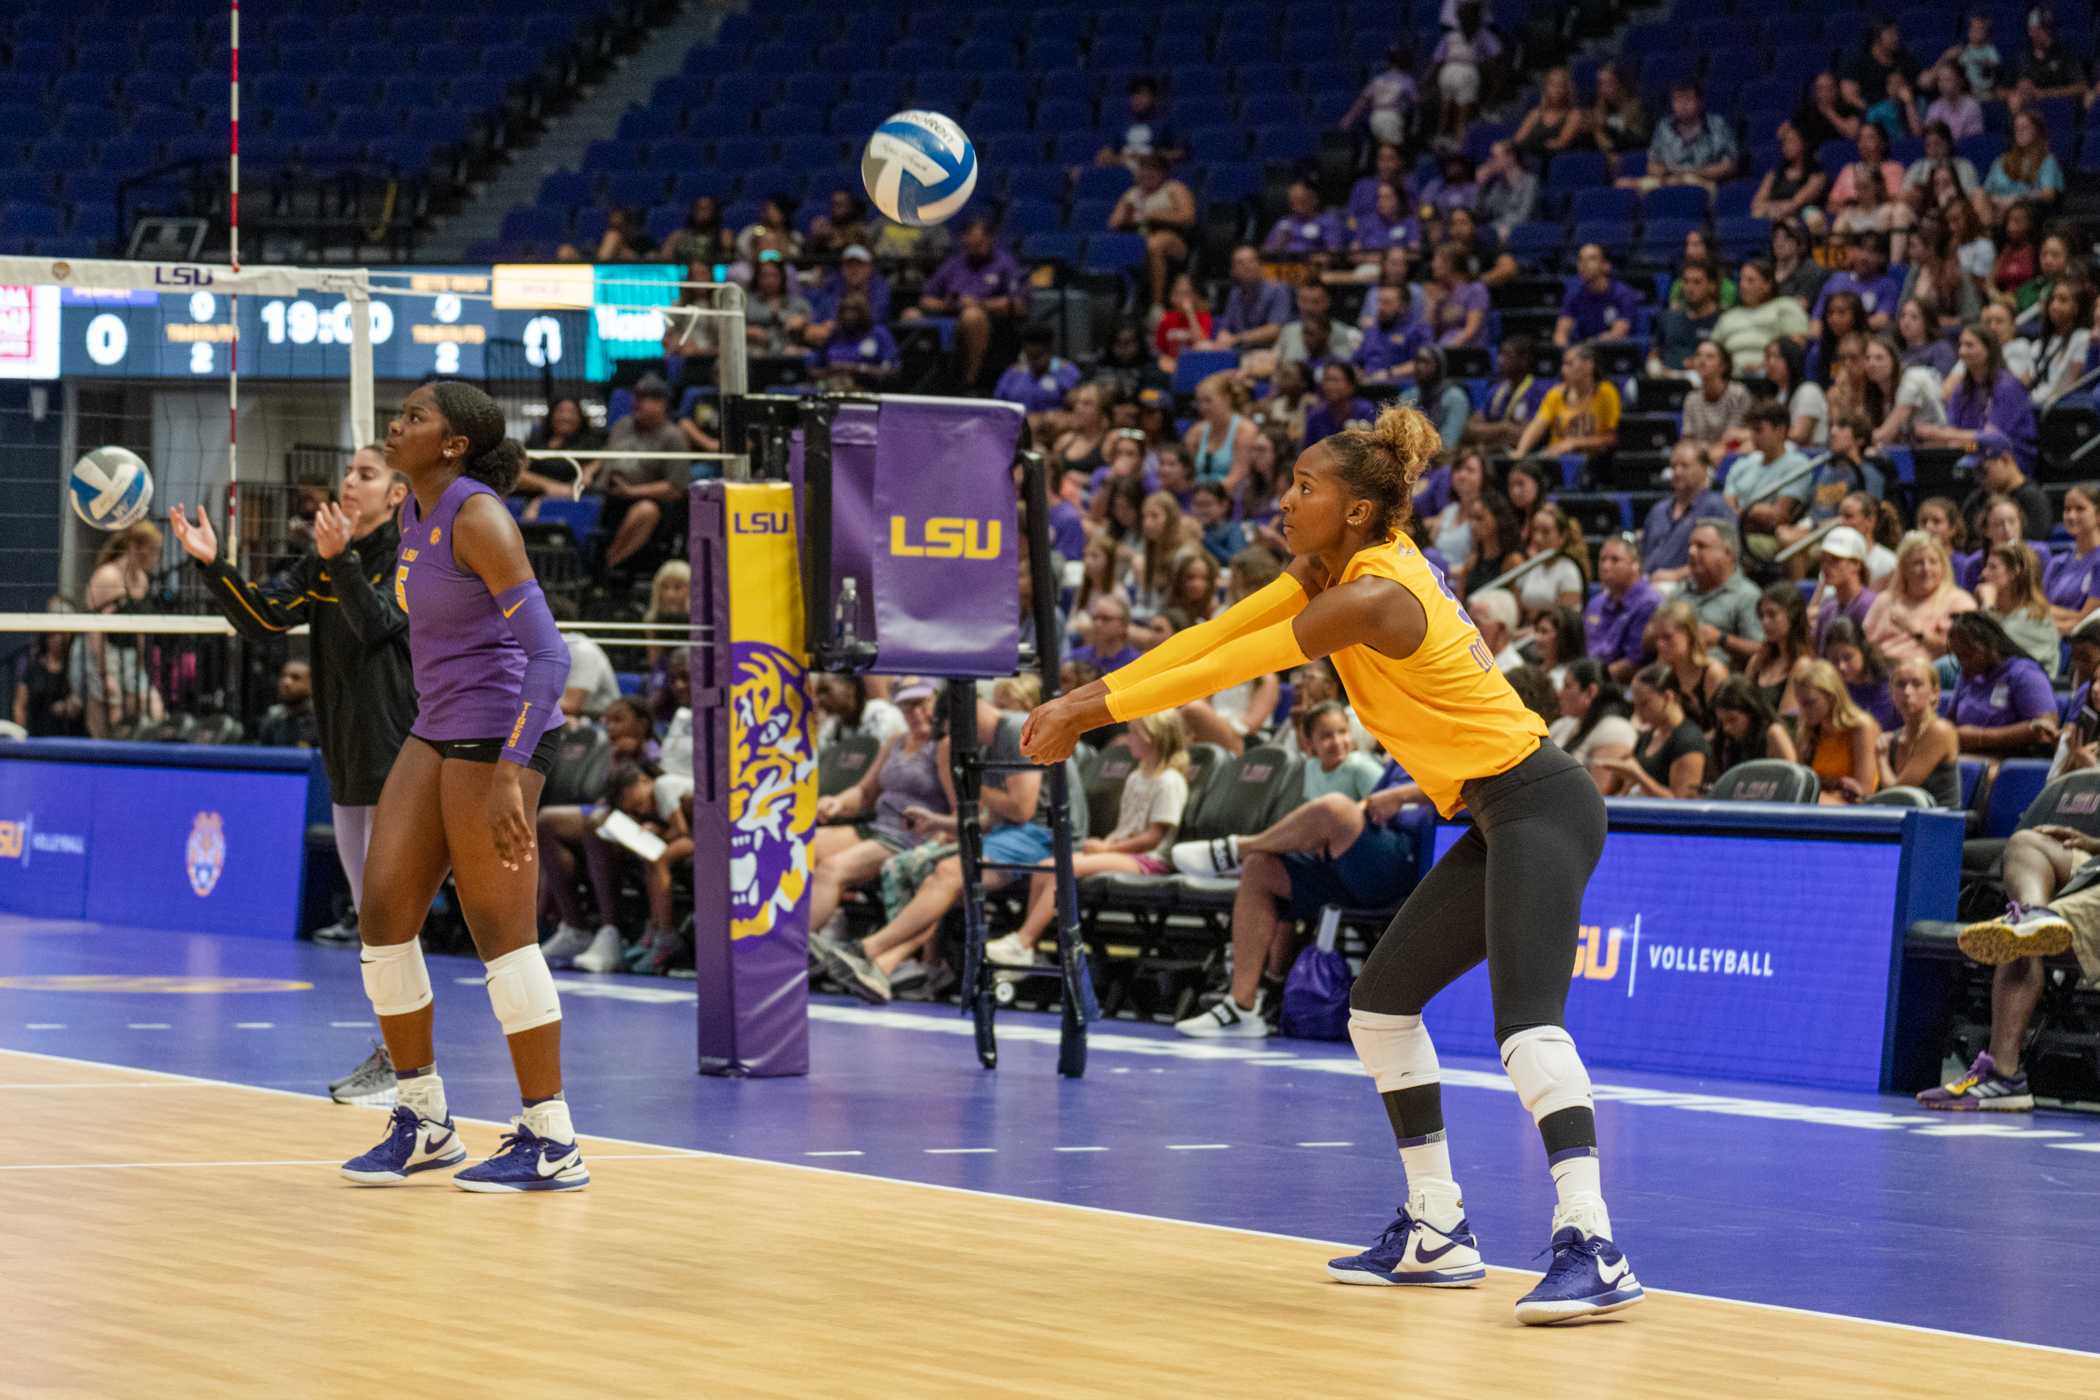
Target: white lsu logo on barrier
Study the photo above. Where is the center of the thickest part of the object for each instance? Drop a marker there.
(205, 856)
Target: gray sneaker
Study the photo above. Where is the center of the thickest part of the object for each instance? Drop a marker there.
(568, 943)
(341, 933)
(371, 1084)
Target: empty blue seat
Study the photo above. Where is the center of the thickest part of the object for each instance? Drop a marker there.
(1101, 182)
(1041, 182)
(1536, 244)
(1743, 237)
(994, 115)
(2018, 782)
(1577, 170)
(1286, 143)
(1050, 247)
(1114, 254)
(1272, 109)
(1615, 205)
(1232, 182)
(1674, 202)
(535, 224)
(1063, 114)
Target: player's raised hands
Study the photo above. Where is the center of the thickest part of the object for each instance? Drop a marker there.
(198, 539)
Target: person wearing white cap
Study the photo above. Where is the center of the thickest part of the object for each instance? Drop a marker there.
(1844, 592)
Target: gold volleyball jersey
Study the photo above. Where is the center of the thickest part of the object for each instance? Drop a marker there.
(1444, 713)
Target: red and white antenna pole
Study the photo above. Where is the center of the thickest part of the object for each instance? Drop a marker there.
(233, 346)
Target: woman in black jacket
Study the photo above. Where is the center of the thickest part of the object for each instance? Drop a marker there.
(364, 691)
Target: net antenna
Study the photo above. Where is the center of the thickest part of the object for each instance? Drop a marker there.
(233, 256)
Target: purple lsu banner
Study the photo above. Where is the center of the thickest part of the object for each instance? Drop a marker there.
(754, 781)
(923, 514)
(947, 563)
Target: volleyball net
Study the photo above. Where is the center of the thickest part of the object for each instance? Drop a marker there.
(247, 392)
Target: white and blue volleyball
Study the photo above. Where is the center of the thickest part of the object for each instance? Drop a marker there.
(919, 168)
(111, 488)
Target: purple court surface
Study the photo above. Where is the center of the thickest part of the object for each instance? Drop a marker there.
(1854, 1204)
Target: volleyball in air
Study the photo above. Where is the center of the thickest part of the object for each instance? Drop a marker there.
(919, 168)
(111, 488)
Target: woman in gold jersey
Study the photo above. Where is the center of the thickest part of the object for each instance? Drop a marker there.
(1510, 891)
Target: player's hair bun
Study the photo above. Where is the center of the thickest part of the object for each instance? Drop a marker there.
(1383, 462)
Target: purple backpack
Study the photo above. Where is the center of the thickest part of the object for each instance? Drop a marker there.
(1316, 994)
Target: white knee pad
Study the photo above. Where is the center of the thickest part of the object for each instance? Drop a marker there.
(521, 990)
(1395, 1049)
(396, 979)
(1548, 1074)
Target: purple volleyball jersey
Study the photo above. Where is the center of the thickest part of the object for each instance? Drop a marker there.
(469, 668)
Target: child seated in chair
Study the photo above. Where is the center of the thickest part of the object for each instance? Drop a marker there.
(1153, 800)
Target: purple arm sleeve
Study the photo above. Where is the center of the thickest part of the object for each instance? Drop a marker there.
(546, 668)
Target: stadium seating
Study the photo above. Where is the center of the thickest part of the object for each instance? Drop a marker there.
(104, 110)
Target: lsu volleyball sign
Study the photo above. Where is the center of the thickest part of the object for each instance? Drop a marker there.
(1739, 941)
(755, 782)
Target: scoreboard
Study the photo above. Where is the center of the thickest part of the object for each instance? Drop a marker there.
(573, 318)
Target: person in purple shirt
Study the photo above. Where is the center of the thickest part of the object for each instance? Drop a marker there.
(1666, 536)
(1844, 592)
(1339, 406)
(856, 274)
(1306, 229)
(1988, 397)
(1388, 225)
(1389, 167)
(1867, 275)
(1598, 305)
(1615, 623)
(1255, 307)
(1387, 353)
(2003, 703)
(1039, 380)
(2071, 581)
(490, 667)
(981, 286)
(1067, 516)
(861, 353)
(1107, 636)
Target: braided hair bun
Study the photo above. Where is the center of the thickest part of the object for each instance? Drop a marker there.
(1383, 462)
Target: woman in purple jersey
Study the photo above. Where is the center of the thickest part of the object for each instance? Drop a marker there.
(489, 667)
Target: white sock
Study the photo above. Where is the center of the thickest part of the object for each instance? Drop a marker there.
(1577, 1181)
(1428, 1160)
(425, 1093)
(550, 1119)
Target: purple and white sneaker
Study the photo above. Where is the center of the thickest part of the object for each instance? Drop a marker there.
(2018, 933)
(1412, 1252)
(1588, 1278)
(1982, 1089)
(413, 1144)
(539, 1153)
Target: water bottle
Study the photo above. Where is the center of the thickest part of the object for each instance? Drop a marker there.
(845, 617)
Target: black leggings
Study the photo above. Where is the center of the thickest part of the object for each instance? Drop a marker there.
(1510, 891)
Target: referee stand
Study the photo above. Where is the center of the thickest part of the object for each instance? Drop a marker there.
(833, 610)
